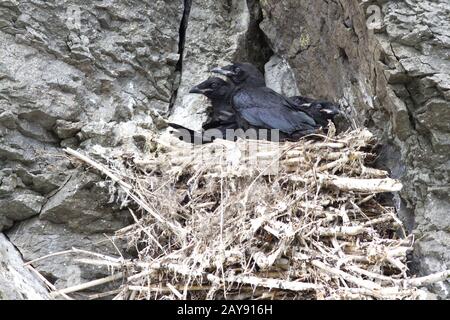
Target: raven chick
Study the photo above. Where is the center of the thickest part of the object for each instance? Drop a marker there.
(321, 111)
(247, 75)
(263, 108)
(218, 91)
(252, 108)
(223, 118)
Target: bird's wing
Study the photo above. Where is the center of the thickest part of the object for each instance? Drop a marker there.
(286, 120)
(265, 108)
(275, 98)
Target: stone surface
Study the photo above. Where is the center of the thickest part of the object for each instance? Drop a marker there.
(36, 238)
(85, 75)
(16, 281)
(280, 77)
(74, 205)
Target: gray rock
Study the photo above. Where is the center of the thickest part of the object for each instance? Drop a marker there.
(431, 254)
(36, 238)
(280, 77)
(16, 281)
(8, 120)
(85, 75)
(20, 205)
(65, 129)
(5, 222)
(84, 204)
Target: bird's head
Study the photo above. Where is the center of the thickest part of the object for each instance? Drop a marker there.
(328, 110)
(238, 73)
(213, 88)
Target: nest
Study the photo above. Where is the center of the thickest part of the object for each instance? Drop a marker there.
(257, 220)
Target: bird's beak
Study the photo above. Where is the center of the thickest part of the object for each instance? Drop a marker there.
(196, 90)
(331, 112)
(221, 71)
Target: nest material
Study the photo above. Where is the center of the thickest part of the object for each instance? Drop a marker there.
(259, 220)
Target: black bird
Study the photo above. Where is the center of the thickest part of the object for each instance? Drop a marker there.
(189, 135)
(253, 108)
(261, 107)
(205, 135)
(321, 111)
(256, 107)
(264, 108)
(223, 116)
(218, 91)
(247, 75)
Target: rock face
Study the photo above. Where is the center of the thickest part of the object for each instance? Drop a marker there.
(16, 281)
(86, 75)
(395, 79)
(280, 77)
(100, 77)
(36, 238)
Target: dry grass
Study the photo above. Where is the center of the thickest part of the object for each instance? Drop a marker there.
(258, 220)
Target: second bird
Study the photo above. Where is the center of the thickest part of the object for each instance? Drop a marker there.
(247, 75)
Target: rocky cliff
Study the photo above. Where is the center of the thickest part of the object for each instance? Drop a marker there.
(101, 76)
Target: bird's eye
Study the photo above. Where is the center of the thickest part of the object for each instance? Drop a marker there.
(214, 85)
(237, 69)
